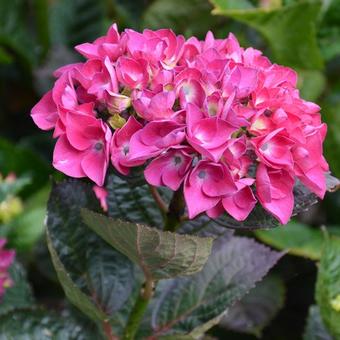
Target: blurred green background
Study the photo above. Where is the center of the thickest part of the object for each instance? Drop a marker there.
(37, 36)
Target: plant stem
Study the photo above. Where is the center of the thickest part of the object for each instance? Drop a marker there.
(158, 199)
(173, 216)
(175, 212)
(108, 331)
(138, 310)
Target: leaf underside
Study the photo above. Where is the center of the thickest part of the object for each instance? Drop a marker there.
(160, 254)
(186, 305)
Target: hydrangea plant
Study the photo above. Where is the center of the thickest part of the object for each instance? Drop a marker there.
(181, 140)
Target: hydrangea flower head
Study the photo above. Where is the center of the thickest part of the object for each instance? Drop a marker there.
(220, 121)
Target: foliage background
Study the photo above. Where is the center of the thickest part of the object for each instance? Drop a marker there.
(37, 36)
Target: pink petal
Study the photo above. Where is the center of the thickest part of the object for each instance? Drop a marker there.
(279, 183)
(67, 159)
(240, 204)
(216, 211)
(101, 194)
(94, 165)
(196, 201)
(314, 180)
(44, 113)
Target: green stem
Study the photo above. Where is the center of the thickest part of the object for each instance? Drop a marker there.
(172, 220)
(138, 310)
(175, 211)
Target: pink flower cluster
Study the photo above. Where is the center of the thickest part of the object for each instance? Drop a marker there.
(221, 120)
(6, 259)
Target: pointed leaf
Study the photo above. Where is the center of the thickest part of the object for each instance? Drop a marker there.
(315, 328)
(185, 305)
(72, 291)
(82, 259)
(132, 201)
(255, 311)
(160, 254)
(328, 285)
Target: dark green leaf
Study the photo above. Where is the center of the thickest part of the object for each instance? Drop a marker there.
(194, 304)
(328, 285)
(289, 30)
(315, 328)
(258, 219)
(303, 198)
(72, 291)
(257, 308)
(85, 262)
(20, 294)
(39, 324)
(132, 201)
(203, 226)
(160, 254)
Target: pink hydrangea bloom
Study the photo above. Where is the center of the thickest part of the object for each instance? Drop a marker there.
(6, 259)
(220, 121)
